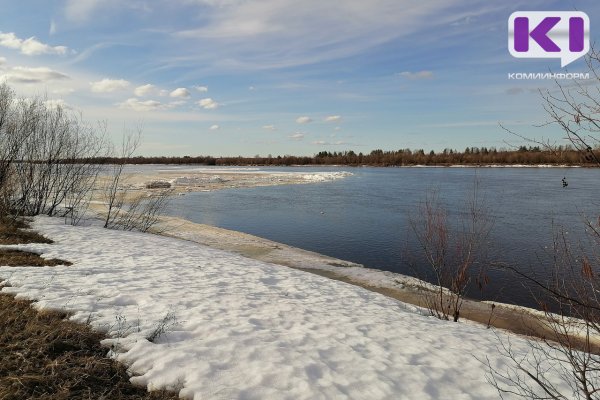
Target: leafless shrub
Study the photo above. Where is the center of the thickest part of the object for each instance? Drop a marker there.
(125, 210)
(114, 193)
(143, 212)
(9, 145)
(570, 297)
(49, 165)
(453, 247)
(163, 326)
(46, 156)
(571, 311)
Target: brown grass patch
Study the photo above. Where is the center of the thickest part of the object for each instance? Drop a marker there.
(18, 258)
(43, 356)
(14, 231)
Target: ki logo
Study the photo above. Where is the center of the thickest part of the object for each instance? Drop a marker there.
(549, 34)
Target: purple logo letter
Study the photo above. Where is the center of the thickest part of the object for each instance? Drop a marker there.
(539, 34)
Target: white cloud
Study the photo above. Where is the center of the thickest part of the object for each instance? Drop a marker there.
(58, 103)
(177, 103)
(297, 136)
(333, 118)
(303, 120)
(180, 93)
(214, 127)
(144, 90)
(29, 47)
(81, 10)
(251, 88)
(417, 75)
(337, 128)
(78, 10)
(269, 127)
(53, 28)
(32, 75)
(325, 143)
(10, 40)
(109, 85)
(201, 89)
(283, 33)
(137, 105)
(2, 61)
(208, 104)
(33, 47)
(63, 91)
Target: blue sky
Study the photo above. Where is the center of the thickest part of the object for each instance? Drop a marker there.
(247, 77)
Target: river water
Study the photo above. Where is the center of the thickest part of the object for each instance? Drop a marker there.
(365, 218)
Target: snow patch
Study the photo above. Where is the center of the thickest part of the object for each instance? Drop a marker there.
(218, 325)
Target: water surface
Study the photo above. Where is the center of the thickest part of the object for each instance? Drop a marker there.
(365, 218)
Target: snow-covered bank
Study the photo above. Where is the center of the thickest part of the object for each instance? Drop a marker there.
(405, 288)
(225, 326)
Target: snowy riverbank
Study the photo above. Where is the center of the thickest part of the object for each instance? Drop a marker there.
(226, 326)
(199, 179)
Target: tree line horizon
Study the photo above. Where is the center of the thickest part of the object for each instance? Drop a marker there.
(523, 155)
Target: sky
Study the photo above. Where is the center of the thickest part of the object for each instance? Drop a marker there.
(259, 77)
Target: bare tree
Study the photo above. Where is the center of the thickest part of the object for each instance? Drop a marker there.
(114, 193)
(570, 303)
(126, 210)
(9, 144)
(47, 156)
(48, 165)
(453, 248)
(143, 212)
(570, 299)
(573, 107)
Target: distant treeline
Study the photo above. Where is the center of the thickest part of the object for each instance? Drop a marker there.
(562, 155)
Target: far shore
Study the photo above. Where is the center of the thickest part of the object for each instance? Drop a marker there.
(326, 166)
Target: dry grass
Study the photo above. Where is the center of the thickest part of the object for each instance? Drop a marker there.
(44, 356)
(16, 232)
(18, 258)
